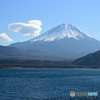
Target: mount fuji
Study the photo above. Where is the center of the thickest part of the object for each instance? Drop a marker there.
(63, 42)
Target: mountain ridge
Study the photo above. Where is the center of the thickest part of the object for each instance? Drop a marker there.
(92, 59)
(7, 52)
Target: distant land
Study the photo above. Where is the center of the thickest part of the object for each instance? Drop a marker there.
(15, 63)
(20, 63)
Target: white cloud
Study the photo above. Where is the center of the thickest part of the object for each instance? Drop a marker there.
(35, 22)
(4, 38)
(30, 28)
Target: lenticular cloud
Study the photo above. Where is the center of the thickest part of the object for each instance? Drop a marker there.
(4, 38)
(33, 27)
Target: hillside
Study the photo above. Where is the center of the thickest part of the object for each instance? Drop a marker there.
(92, 59)
(11, 52)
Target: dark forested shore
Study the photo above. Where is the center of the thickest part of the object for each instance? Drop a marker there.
(14, 63)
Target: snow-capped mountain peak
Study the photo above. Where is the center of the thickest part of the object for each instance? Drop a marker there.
(63, 42)
(60, 32)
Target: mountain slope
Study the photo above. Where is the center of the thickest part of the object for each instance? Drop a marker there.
(92, 59)
(62, 42)
(11, 52)
(60, 32)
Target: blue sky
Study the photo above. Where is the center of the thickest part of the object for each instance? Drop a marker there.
(84, 14)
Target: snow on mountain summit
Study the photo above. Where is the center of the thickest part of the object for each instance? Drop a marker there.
(60, 32)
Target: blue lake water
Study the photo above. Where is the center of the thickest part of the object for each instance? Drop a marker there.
(46, 84)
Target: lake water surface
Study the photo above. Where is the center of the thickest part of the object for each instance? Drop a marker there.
(46, 84)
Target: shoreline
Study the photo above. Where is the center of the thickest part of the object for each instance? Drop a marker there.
(48, 67)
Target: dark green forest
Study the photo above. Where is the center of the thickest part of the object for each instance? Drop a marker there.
(14, 63)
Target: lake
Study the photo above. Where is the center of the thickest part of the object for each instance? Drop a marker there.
(46, 83)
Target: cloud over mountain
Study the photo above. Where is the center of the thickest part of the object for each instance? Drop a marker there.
(4, 38)
(30, 28)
